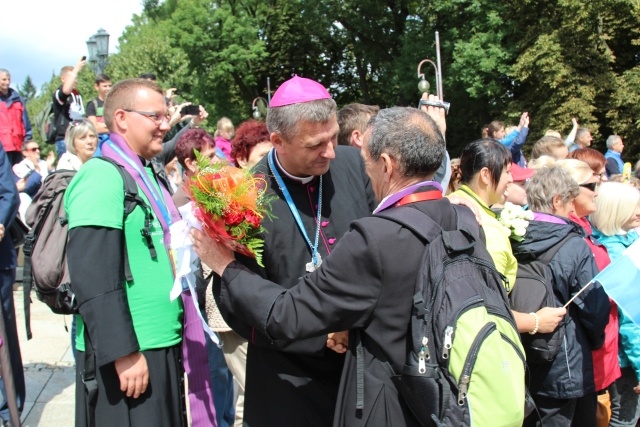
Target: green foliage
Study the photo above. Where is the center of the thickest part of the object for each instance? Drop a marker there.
(27, 90)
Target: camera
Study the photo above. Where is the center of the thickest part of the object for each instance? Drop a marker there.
(190, 110)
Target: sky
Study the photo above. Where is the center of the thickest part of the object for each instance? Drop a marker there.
(38, 37)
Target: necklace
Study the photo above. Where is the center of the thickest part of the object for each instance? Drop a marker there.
(316, 259)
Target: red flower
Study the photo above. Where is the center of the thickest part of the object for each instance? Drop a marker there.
(252, 219)
(232, 218)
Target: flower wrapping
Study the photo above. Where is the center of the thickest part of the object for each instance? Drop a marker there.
(516, 220)
(230, 203)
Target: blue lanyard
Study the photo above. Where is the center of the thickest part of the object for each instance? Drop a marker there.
(145, 178)
(294, 210)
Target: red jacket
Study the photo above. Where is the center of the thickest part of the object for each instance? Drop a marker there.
(606, 368)
(12, 131)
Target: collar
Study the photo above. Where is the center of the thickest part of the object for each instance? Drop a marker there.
(394, 198)
(469, 192)
(304, 180)
(545, 217)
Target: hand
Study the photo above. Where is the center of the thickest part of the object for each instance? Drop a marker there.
(438, 114)
(575, 122)
(637, 389)
(169, 93)
(211, 252)
(1, 231)
(549, 318)
(201, 117)
(524, 120)
(174, 112)
(79, 65)
(133, 373)
(51, 158)
(338, 341)
(21, 184)
(455, 200)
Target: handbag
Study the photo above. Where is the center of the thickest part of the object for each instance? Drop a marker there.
(18, 231)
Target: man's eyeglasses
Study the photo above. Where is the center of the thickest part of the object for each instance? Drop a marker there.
(156, 118)
(591, 186)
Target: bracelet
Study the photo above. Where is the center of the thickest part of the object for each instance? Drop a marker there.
(193, 125)
(535, 329)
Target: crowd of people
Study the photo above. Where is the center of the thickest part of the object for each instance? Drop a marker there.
(295, 334)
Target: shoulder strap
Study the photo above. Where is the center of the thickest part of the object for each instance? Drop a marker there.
(415, 220)
(131, 200)
(548, 255)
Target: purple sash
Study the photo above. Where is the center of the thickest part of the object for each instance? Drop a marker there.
(194, 350)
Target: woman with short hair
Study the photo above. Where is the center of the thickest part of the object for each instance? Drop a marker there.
(616, 217)
(82, 140)
(558, 385)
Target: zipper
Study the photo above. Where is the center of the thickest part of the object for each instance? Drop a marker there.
(423, 355)
(447, 341)
(470, 361)
(515, 347)
(496, 312)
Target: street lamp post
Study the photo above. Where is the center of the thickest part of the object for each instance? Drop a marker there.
(255, 107)
(423, 84)
(98, 47)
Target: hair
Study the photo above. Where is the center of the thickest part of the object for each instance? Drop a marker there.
(580, 132)
(193, 139)
(494, 127)
(484, 153)
(547, 183)
(354, 117)
(593, 158)
(579, 171)
(612, 140)
(102, 78)
(123, 96)
(456, 176)
(78, 129)
(224, 124)
(5, 71)
(545, 145)
(616, 204)
(410, 136)
(26, 143)
(551, 132)
(633, 181)
(541, 162)
(147, 76)
(249, 134)
(66, 69)
(286, 119)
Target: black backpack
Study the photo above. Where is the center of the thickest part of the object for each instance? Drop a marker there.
(45, 247)
(47, 123)
(464, 362)
(531, 292)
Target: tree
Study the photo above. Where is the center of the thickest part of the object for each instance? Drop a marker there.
(28, 89)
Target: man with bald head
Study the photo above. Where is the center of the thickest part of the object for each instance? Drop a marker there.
(122, 279)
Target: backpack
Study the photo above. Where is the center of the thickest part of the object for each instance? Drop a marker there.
(465, 365)
(45, 257)
(46, 123)
(532, 291)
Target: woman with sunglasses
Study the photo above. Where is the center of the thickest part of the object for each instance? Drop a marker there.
(616, 217)
(605, 359)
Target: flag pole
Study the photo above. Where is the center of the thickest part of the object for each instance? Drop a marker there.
(576, 295)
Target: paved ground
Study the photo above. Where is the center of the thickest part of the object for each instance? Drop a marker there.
(48, 364)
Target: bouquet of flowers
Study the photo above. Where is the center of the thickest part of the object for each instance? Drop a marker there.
(230, 203)
(516, 220)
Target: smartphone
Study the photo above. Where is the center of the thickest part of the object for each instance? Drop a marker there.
(190, 110)
(84, 58)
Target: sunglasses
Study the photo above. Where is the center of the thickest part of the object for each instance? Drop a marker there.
(591, 186)
(32, 149)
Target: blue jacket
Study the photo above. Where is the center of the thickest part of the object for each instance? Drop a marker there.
(629, 343)
(9, 202)
(614, 162)
(14, 96)
(515, 141)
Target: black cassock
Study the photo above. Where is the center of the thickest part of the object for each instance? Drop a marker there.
(296, 383)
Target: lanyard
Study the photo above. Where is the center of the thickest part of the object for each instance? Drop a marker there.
(145, 178)
(420, 197)
(294, 210)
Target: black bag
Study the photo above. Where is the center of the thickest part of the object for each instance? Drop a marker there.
(45, 248)
(18, 231)
(464, 341)
(532, 291)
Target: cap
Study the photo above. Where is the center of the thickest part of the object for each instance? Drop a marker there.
(297, 90)
(520, 174)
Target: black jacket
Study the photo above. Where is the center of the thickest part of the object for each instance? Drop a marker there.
(570, 375)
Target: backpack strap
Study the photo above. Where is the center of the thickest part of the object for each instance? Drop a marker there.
(131, 200)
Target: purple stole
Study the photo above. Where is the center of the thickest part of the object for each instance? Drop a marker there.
(194, 350)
